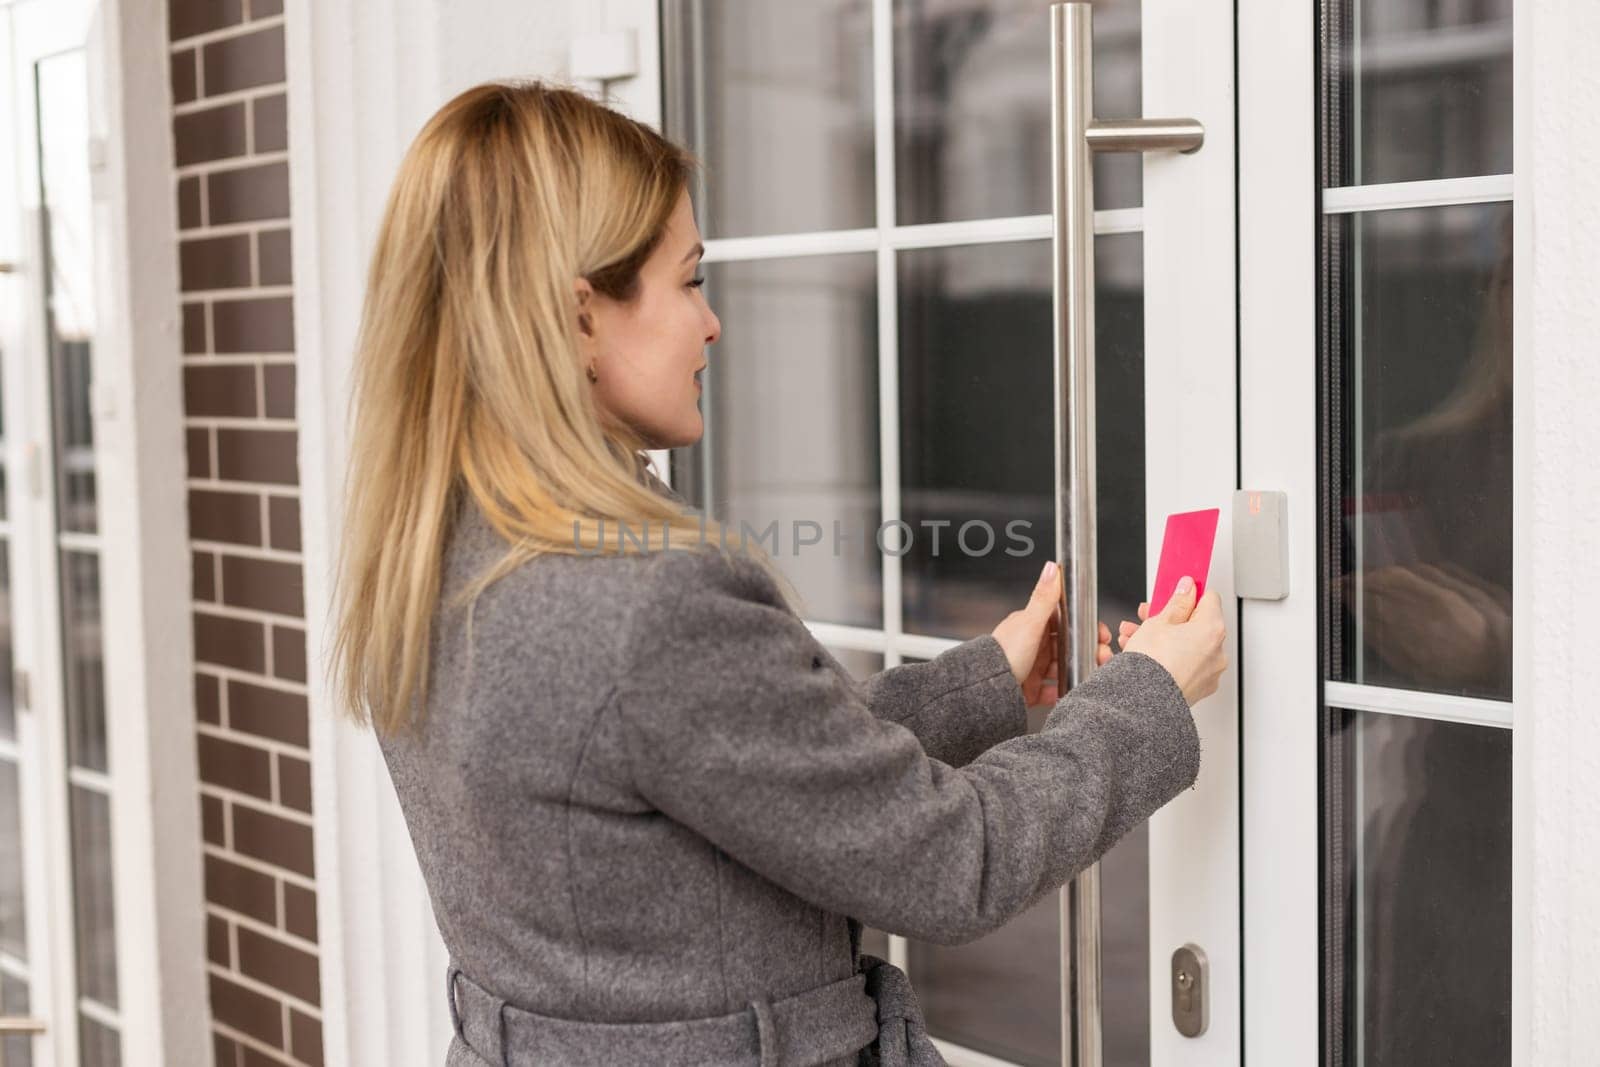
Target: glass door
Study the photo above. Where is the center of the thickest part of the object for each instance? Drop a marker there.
(1377, 377)
(1417, 369)
(58, 951)
(880, 408)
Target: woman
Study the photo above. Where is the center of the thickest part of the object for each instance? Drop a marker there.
(651, 810)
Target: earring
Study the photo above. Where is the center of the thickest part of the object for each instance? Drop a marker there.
(593, 376)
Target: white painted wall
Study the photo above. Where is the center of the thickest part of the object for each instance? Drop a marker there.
(363, 77)
(1556, 644)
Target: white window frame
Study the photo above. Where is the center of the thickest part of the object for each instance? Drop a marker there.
(142, 548)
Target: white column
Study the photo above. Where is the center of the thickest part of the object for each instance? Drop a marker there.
(363, 77)
(1556, 649)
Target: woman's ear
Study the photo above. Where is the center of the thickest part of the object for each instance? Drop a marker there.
(583, 294)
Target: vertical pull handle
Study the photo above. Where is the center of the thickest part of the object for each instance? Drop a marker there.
(1075, 137)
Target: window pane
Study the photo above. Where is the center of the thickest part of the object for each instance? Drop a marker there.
(1421, 890)
(85, 669)
(99, 1045)
(13, 924)
(1427, 86)
(1424, 597)
(972, 107)
(94, 917)
(776, 98)
(791, 416)
(1000, 994)
(977, 442)
(8, 709)
(859, 664)
(15, 1051)
(69, 278)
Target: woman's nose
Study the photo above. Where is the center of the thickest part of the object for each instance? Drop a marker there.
(715, 329)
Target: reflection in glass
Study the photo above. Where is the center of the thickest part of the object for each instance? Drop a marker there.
(69, 277)
(776, 98)
(977, 446)
(13, 926)
(790, 448)
(1421, 890)
(84, 666)
(17, 1050)
(8, 708)
(859, 664)
(1424, 598)
(1426, 89)
(875, 943)
(98, 1044)
(972, 107)
(1000, 994)
(976, 429)
(93, 914)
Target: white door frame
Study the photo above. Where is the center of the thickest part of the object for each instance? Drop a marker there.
(1191, 398)
(142, 546)
(1278, 361)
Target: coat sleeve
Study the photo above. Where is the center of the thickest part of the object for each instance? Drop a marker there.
(958, 704)
(735, 727)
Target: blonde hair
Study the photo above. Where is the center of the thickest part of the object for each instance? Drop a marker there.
(468, 377)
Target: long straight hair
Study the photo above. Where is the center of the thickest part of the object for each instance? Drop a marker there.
(468, 380)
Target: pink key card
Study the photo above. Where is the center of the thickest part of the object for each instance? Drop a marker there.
(1185, 550)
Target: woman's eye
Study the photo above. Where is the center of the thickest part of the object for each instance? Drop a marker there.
(697, 282)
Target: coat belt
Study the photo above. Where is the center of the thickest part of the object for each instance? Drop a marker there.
(818, 1025)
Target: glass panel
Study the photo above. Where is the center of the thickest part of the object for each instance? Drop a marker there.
(1000, 994)
(93, 915)
(875, 943)
(69, 278)
(977, 446)
(1428, 88)
(98, 1044)
(8, 708)
(85, 670)
(791, 411)
(1421, 890)
(13, 913)
(1424, 597)
(859, 664)
(776, 98)
(976, 465)
(972, 107)
(17, 1050)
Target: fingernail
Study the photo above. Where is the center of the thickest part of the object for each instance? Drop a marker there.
(1049, 571)
(1185, 584)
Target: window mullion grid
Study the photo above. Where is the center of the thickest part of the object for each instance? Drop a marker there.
(888, 343)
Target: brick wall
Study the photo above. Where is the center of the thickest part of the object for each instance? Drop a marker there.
(232, 186)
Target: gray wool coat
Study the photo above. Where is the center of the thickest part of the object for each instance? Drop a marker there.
(652, 811)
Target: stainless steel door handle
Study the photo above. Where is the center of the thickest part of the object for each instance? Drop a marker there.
(1075, 136)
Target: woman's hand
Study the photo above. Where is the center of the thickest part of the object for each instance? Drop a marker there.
(1029, 639)
(1187, 639)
